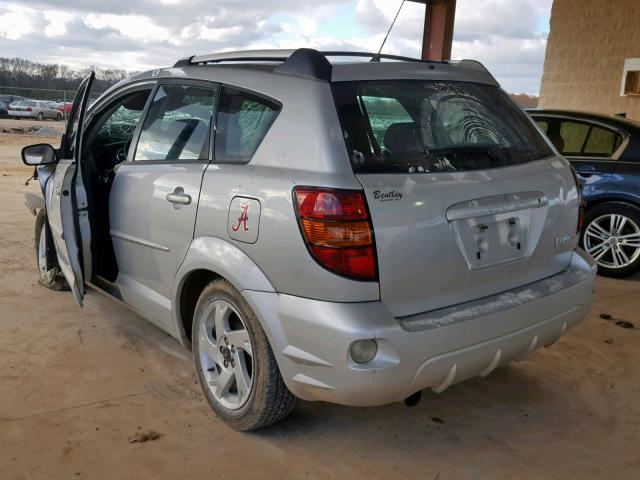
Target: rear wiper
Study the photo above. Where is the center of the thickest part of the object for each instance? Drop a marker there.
(469, 147)
(495, 152)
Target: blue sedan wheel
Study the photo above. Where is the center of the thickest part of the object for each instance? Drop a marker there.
(612, 238)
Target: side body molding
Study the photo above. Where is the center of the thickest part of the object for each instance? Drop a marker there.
(222, 258)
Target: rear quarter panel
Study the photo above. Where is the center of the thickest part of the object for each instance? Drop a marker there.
(303, 147)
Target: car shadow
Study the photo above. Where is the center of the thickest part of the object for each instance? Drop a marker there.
(509, 400)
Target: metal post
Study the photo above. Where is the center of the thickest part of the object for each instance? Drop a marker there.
(438, 29)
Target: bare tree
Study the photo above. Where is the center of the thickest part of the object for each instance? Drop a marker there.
(52, 81)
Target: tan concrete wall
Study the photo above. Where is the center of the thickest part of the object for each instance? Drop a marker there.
(588, 43)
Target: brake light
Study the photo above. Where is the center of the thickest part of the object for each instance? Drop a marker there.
(29, 109)
(336, 227)
(582, 204)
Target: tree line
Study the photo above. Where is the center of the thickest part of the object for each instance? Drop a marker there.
(525, 100)
(30, 77)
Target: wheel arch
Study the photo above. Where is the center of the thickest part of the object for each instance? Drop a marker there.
(207, 259)
(624, 199)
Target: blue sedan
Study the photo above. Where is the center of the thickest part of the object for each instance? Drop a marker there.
(605, 153)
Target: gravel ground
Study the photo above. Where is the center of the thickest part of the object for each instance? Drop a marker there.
(80, 389)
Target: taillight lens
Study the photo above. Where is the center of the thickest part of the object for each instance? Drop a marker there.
(582, 204)
(29, 109)
(337, 229)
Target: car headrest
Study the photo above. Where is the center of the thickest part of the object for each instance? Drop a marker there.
(403, 138)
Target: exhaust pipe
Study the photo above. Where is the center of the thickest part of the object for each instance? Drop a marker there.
(413, 400)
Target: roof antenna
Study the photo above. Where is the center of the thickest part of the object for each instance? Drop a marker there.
(376, 58)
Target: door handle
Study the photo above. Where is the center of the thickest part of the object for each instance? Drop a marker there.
(585, 170)
(178, 197)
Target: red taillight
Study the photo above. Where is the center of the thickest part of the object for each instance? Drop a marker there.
(29, 109)
(582, 204)
(333, 205)
(336, 226)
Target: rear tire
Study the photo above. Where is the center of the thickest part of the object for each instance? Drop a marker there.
(612, 236)
(49, 278)
(59, 117)
(40, 117)
(244, 389)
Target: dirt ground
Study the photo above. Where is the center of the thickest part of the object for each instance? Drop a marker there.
(76, 384)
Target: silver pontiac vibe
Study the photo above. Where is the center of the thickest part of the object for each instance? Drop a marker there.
(351, 232)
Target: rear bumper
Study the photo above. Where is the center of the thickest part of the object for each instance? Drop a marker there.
(311, 339)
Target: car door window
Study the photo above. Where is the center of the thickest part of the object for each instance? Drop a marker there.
(543, 125)
(111, 130)
(177, 124)
(242, 123)
(76, 117)
(574, 136)
(602, 142)
(122, 120)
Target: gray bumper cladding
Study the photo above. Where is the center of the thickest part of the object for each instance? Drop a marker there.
(311, 339)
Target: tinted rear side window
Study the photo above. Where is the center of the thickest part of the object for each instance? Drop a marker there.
(574, 136)
(543, 124)
(602, 142)
(243, 121)
(428, 126)
(582, 139)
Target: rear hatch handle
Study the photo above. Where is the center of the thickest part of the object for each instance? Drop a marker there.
(497, 204)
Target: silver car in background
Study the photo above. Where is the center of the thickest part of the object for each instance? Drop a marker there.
(350, 232)
(34, 109)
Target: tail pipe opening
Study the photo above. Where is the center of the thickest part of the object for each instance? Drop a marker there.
(413, 400)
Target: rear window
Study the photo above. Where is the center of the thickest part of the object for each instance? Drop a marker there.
(430, 126)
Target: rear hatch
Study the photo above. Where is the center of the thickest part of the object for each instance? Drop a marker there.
(466, 197)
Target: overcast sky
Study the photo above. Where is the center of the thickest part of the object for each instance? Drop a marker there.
(509, 36)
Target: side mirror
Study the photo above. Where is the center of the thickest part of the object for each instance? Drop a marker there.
(39, 154)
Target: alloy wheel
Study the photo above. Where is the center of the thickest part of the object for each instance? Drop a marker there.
(613, 240)
(226, 354)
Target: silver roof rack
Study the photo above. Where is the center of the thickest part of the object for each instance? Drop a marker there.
(304, 62)
(281, 55)
(308, 62)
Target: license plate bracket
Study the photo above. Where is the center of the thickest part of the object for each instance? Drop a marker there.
(494, 239)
